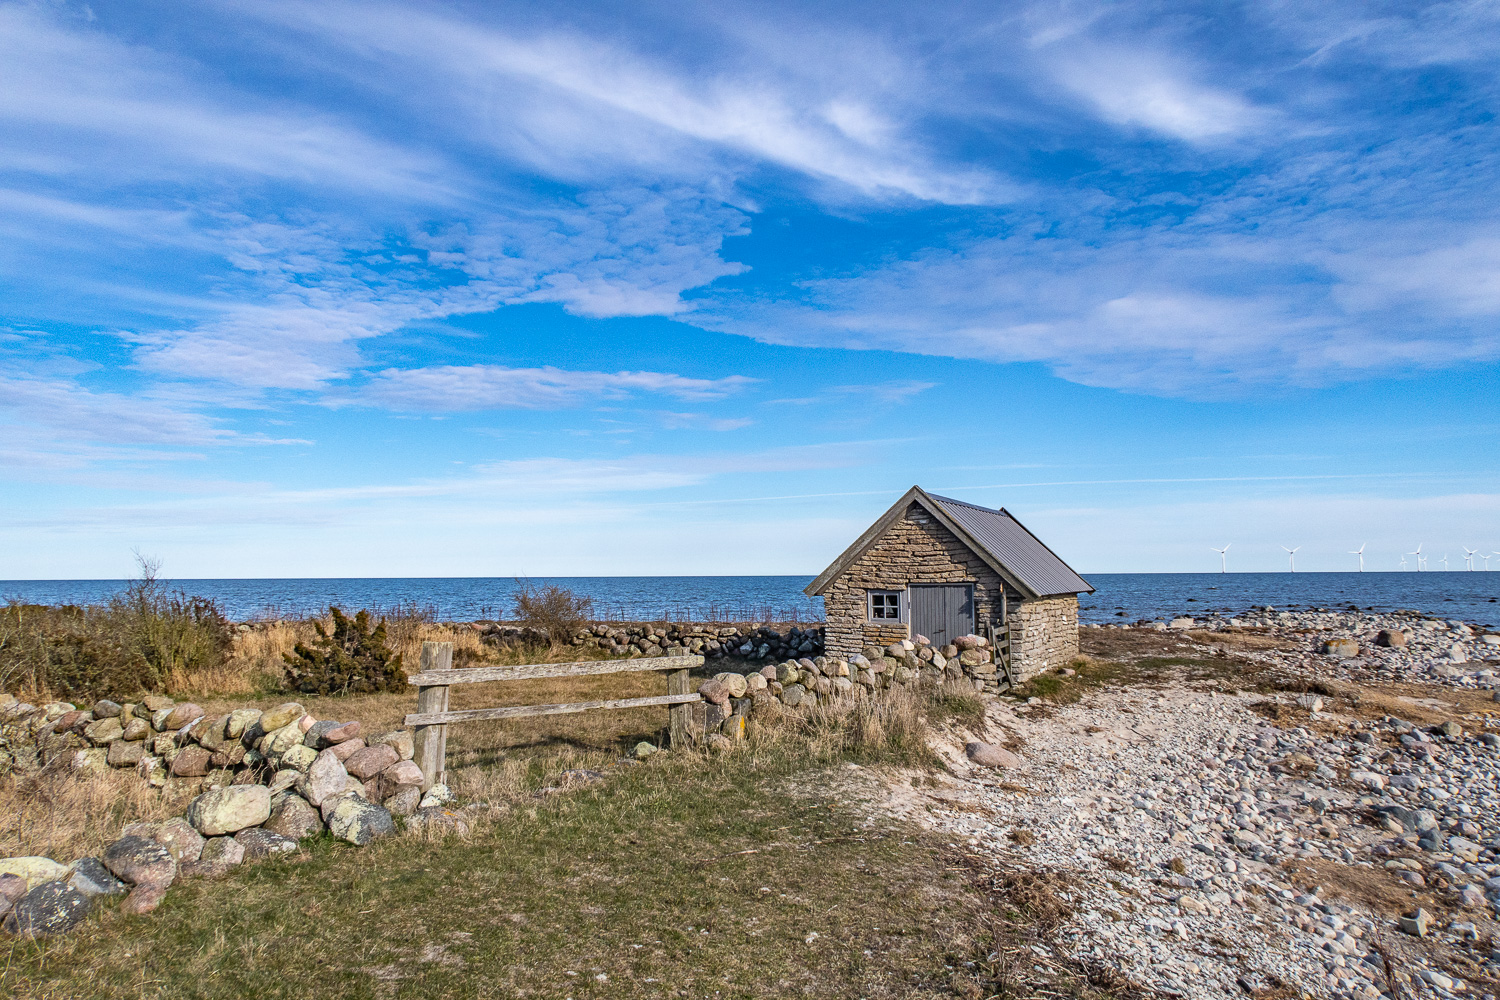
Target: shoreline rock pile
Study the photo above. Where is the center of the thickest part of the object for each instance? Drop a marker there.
(266, 780)
(1362, 645)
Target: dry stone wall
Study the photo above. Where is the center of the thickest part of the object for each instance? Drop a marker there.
(265, 780)
(758, 644)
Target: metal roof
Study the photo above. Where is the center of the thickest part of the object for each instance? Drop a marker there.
(1015, 548)
(994, 535)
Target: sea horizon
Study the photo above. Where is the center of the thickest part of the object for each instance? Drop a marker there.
(1471, 596)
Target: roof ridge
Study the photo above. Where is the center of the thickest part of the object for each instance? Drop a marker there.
(975, 506)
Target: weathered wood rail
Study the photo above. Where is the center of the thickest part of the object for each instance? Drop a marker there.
(432, 717)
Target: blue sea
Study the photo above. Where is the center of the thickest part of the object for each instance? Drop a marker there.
(1465, 596)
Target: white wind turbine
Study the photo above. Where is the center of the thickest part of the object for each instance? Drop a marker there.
(1444, 560)
(1487, 559)
(1291, 557)
(1418, 554)
(1469, 555)
(1361, 553)
(1403, 560)
(1223, 557)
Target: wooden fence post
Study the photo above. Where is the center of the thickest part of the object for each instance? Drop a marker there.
(681, 715)
(432, 741)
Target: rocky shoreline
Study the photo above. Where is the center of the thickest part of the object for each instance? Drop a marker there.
(1222, 842)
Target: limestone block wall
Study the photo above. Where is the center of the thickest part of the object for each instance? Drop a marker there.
(1043, 634)
(915, 549)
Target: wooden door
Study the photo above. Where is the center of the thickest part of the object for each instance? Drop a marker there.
(942, 613)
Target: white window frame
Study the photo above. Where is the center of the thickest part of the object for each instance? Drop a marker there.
(900, 596)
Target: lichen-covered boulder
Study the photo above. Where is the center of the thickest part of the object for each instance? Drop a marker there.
(239, 720)
(104, 731)
(91, 878)
(365, 764)
(229, 810)
(299, 758)
(140, 861)
(279, 741)
(293, 817)
(33, 870)
(50, 908)
(359, 822)
(179, 838)
(282, 715)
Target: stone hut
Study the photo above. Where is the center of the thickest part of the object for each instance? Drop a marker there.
(944, 569)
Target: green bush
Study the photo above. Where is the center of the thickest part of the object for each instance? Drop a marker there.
(121, 649)
(353, 659)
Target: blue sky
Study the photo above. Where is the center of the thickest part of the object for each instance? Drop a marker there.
(324, 289)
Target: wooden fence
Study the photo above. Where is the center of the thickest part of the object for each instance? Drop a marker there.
(432, 717)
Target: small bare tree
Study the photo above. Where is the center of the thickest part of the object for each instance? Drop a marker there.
(552, 609)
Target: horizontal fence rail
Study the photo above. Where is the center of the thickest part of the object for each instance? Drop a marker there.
(432, 717)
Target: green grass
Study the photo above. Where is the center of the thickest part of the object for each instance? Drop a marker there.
(753, 874)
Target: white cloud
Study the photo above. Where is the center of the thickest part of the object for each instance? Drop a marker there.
(576, 104)
(1135, 88)
(492, 387)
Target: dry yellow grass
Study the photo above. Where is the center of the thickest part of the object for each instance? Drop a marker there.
(65, 816)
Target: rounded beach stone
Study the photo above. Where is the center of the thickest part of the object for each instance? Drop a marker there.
(343, 751)
(324, 779)
(208, 731)
(399, 740)
(793, 695)
(294, 818)
(281, 740)
(400, 775)
(240, 720)
(12, 888)
(359, 822)
(281, 715)
(733, 683)
(140, 861)
(106, 709)
(258, 842)
(989, 755)
(754, 683)
(179, 838)
(136, 729)
(125, 753)
(182, 715)
(104, 731)
(405, 801)
(299, 757)
(50, 908)
(328, 732)
(229, 810)
(33, 870)
(365, 764)
(143, 899)
(91, 878)
(157, 702)
(191, 762)
(282, 780)
(714, 691)
(305, 723)
(223, 852)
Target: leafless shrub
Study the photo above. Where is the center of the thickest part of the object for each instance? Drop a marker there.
(552, 609)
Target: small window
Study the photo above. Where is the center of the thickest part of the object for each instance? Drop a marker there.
(885, 605)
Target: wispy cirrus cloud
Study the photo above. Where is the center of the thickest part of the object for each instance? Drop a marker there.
(447, 388)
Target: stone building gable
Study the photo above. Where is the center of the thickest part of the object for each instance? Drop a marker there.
(916, 548)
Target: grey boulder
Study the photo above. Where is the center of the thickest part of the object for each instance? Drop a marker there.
(91, 878)
(139, 861)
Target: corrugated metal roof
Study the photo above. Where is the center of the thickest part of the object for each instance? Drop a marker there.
(1015, 548)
